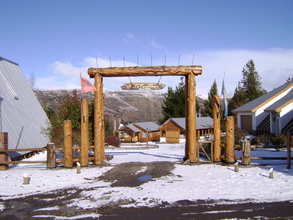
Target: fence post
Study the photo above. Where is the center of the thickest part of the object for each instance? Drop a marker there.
(51, 156)
(4, 146)
(289, 145)
(217, 129)
(84, 137)
(230, 140)
(68, 162)
(246, 155)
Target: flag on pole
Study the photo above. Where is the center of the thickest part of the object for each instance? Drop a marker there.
(86, 86)
(224, 95)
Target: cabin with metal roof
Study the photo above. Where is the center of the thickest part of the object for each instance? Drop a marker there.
(173, 130)
(269, 113)
(140, 132)
(21, 114)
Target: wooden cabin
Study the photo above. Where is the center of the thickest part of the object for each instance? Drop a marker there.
(173, 130)
(140, 132)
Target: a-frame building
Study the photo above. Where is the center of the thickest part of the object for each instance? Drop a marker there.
(21, 115)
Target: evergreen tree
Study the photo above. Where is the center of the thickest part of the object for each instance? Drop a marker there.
(289, 79)
(208, 104)
(174, 103)
(249, 88)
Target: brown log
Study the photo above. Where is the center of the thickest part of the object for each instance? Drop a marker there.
(217, 129)
(246, 155)
(20, 161)
(51, 156)
(191, 148)
(3, 148)
(84, 137)
(99, 121)
(230, 140)
(145, 71)
(68, 144)
(25, 149)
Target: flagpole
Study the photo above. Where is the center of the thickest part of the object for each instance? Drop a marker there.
(224, 97)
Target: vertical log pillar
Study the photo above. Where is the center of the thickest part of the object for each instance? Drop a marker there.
(99, 134)
(191, 148)
(84, 137)
(217, 129)
(3, 146)
(51, 156)
(289, 145)
(246, 155)
(147, 138)
(114, 126)
(230, 140)
(68, 160)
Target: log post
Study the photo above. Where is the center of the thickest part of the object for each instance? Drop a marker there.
(84, 136)
(114, 126)
(68, 160)
(191, 148)
(147, 138)
(289, 145)
(99, 134)
(217, 129)
(4, 146)
(230, 140)
(51, 156)
(246, 155)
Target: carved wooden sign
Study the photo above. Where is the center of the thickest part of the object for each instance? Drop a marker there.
(142, 86)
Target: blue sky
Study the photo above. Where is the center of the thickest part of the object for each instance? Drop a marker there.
(57, 40)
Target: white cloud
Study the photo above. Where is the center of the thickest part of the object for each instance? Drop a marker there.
(273, 65)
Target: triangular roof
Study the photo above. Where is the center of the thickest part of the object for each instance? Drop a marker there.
(281, 103)
(201, 122)
(150, 125)
(22, 115)
(134, 129)
(257, 103)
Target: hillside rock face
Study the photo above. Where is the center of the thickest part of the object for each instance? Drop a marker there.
(131, 106)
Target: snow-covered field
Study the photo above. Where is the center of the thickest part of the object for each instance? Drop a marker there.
(186, 182)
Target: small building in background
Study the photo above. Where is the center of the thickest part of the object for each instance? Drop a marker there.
(140, 132)
(173, 130)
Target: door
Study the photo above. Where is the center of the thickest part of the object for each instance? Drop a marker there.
(172, 136)
(246, 122)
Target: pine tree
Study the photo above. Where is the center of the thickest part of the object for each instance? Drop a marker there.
(208, 104)
(249, 88)
(174, 103)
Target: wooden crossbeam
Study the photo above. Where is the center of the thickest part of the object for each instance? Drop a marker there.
(145, 71)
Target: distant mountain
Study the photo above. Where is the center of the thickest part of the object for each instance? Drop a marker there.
(141, 105)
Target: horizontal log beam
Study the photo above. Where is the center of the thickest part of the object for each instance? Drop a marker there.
(145, 71)
(28, 149)
(263, 158)
(16, 162)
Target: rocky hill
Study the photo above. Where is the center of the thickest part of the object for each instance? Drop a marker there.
(141, 105)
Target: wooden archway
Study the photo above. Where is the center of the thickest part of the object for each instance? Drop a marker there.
(189, 72)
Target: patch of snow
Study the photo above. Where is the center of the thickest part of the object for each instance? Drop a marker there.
(187, 182)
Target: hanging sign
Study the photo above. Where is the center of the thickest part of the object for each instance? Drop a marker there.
(142, 86)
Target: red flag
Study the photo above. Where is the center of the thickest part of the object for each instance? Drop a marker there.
(86, 86)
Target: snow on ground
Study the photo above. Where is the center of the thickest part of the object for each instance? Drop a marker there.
(187, 182)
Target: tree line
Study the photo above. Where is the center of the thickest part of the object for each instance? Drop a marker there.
(248, 88)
